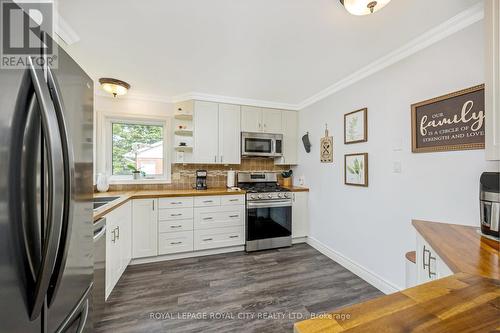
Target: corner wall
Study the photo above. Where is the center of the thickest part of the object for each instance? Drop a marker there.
(371, 227)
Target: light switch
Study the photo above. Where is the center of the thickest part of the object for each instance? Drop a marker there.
(396, 166)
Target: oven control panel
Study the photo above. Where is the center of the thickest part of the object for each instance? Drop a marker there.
(268, 196)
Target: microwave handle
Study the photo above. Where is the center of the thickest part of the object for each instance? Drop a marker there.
(273, 149)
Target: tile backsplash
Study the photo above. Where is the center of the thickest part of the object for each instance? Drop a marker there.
(183, 175)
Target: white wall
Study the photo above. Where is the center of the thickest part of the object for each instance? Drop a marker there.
(126, 106)
(372, 226)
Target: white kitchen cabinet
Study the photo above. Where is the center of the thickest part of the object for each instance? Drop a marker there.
(118, 244)
(290, 139)
(205, 239)
(206, 133)
(144, 228)
(492, 84)
(175, 242)
(254, 119)
(429, 265)
(300, 215)
(271, 120)
(217, 133)
(251, 119)
(229, 134)
(219, 217)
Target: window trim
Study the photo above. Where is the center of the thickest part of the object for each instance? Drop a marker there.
(104, 150)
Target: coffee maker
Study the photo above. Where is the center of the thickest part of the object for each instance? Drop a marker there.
(201, 179)
(489, 199)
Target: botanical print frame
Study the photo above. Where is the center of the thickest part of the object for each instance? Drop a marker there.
(356, 169)
(356, 126)
(454, 121)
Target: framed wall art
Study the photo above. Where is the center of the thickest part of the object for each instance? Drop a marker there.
(356, 169)
(450, 122)
(356, 126)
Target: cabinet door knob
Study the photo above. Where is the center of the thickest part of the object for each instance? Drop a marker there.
(175, 243)
(207, 239)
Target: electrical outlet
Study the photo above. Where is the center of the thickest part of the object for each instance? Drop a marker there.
(396, 166)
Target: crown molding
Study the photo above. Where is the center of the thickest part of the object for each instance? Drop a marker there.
(233, 100)
(453, 25)
(65, 31)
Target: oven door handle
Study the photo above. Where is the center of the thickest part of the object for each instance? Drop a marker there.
(270, 204)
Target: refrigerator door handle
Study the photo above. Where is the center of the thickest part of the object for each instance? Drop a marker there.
(55, 186)
(69, 171)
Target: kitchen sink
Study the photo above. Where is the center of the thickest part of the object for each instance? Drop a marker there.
(101, 201)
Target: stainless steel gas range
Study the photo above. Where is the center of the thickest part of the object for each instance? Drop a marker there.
(269, 211)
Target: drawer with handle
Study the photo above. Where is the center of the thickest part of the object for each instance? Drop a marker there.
(207, 201)
(175, 242)
(175, 214)
(230, 200)
(178, 202)
(175, 225)
(219, 217)
(219, 237)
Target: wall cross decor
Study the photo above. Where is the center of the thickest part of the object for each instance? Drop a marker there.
(326, 149)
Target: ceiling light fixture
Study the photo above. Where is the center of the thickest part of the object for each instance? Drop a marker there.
(364, 7)
(114, 86)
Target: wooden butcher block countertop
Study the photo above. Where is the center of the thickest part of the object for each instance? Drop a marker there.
(468, 301)
(462, 248)
(125, 196)
(459, 303)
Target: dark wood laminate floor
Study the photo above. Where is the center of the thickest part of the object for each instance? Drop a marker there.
(237, 292)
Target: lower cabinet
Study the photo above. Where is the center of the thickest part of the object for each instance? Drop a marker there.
(300, 215)
(219, 237)
(429, 265)
(200, 223)
(145, 228)
(175, 242)
(118, 244)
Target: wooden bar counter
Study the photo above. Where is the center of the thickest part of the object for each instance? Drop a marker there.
(468, 301)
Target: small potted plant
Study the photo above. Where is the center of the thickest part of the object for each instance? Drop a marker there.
(136, 173)
(287, 178)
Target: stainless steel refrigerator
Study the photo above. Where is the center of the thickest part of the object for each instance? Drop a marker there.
(46, 165)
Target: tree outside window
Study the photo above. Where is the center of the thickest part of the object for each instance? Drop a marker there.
(137, 146)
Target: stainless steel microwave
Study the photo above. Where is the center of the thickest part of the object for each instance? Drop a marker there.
(261, 144)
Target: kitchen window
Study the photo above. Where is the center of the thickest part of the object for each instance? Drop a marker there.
(135, 146)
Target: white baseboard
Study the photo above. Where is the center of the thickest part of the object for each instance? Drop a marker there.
(185, 255)
(298, 240)
(378, 282)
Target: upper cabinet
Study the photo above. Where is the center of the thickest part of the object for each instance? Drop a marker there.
(229, 134)
(216, 133)
(210, 132)
(254, 119)
(492, 84)
(290, 138)
(251, 119)
(206, 140)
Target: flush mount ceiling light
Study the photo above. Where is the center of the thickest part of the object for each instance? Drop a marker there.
(364, 7)
(114, 86)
